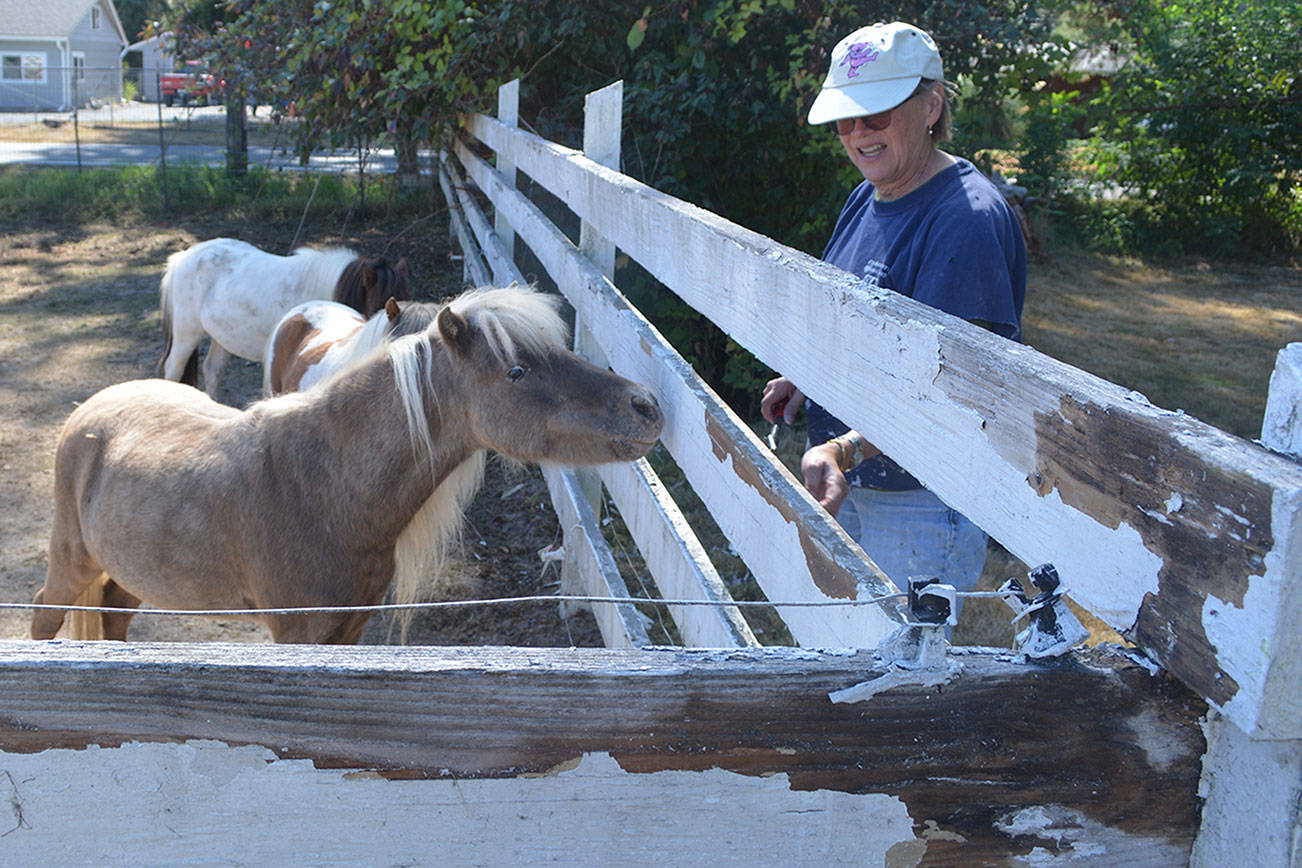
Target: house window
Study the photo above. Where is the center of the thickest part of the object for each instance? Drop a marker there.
(23, 67)
(79, 65)
(94, 17)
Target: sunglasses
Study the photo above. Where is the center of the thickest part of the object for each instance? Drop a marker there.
(879, 121)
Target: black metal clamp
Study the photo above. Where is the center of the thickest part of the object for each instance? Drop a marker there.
(1052, 628)
(920, 643)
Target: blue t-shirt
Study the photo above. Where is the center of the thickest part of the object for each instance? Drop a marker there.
(953, 244)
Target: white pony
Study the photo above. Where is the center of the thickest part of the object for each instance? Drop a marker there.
(235, 293)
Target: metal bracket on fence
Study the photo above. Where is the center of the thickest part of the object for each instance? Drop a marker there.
(917, 653)
(1052, 629)
(921, 642)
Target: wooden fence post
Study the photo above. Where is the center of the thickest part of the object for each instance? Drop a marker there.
(602, 118)
(508, 112)
(1247, 783)
(1281, 428)
(603, 114)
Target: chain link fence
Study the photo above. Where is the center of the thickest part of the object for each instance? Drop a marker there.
(89, 117)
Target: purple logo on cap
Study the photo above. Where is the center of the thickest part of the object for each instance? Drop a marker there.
(857, 55)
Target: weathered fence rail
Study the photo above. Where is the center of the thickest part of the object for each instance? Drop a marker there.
(1179, 535)
(236, 754)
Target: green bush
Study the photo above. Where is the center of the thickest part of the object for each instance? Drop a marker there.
(1203, 123)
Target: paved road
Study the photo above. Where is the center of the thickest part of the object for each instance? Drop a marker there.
(65, 154)
(132, 112)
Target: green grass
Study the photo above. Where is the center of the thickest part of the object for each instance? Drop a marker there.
(70, 196)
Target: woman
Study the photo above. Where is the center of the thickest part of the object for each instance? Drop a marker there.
(927, 225)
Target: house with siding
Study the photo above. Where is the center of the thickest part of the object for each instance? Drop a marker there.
(57, 54)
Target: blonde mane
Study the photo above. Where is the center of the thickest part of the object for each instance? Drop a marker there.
(512, 319)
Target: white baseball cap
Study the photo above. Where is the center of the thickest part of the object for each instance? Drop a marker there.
(874, 69)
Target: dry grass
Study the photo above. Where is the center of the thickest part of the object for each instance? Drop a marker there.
(1196, 336)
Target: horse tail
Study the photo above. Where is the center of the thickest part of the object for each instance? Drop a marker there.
(424, 542)
(190, 376)
(88, 625)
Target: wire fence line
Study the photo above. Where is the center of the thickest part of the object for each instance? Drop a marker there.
(78, 117)
(493, 601)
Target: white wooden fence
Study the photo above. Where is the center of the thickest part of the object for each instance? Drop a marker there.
(1179, 535)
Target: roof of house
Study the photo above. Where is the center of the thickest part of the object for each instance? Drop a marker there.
(53, 18)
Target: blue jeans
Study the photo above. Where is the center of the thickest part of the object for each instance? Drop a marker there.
(913, 533)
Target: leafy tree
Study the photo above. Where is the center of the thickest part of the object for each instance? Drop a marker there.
(1203, 123)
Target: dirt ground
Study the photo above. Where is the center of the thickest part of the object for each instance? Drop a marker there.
(78, 312)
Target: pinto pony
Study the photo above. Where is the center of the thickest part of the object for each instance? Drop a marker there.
(164, 496)
(235, 293)
(318, 339)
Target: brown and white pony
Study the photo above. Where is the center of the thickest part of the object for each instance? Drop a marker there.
(318, 339)
(235, 293)
(165, 496)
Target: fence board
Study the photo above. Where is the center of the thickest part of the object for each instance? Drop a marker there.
(1184, 537)
(200, 739)
(473, 266)
(683, 571)
(589, 555)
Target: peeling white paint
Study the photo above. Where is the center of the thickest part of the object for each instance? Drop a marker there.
(214, 804)
(897, 677)
(1079, 840)
(1121, 570)
(1256, 642)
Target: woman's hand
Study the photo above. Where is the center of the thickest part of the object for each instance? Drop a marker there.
(823, 477)
(783, 393)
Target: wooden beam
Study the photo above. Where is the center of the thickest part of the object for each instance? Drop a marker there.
(473, 268)
(794, 549)
(1090, 760)
(588, 554)
(1187, 539)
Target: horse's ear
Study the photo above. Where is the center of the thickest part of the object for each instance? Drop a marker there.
(454, 330)
(392, 309)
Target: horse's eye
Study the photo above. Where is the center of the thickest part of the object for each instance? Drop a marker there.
(516, 373)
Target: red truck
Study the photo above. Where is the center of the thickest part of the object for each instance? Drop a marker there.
(190, 84)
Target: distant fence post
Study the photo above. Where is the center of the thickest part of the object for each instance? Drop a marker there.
(76, 110)
(603, 114)
(237, 135)
(162, 141)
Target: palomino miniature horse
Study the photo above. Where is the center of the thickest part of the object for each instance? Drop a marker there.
(317, 339)
(185, 503)
(235, 293)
